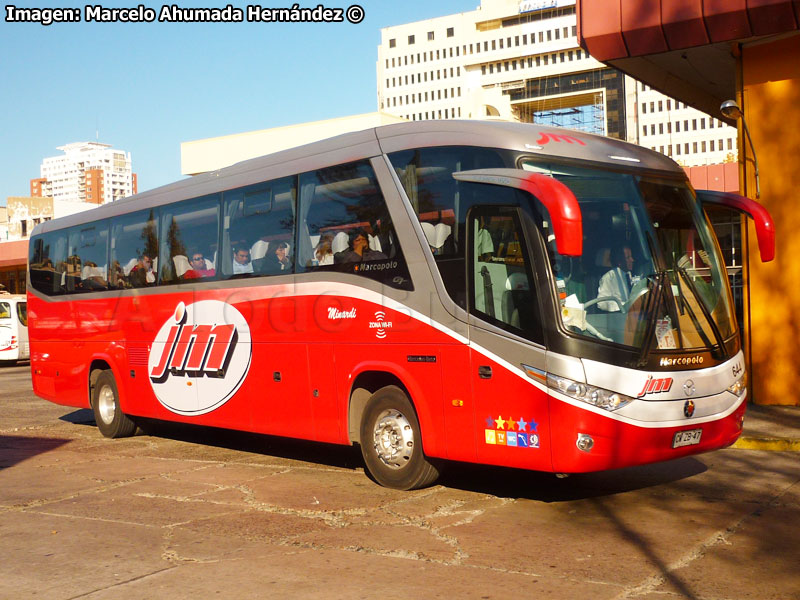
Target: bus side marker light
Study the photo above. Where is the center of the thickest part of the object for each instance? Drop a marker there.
(458, 403)
(585, 443)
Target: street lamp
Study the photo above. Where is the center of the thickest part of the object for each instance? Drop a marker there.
(731, 110)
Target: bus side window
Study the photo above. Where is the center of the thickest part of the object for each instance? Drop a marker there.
(48, 253)
(344, 221)
(441, 203)
(501, 283)
(186, 227)
(134, 246)
(259, 221)
(87, 258)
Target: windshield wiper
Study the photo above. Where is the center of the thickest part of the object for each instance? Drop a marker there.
(706, 313)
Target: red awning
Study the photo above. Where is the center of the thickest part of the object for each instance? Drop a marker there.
(614, 29)
(683, 48)
(14, 254)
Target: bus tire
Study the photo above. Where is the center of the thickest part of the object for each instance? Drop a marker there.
(108, 415)
(391, 442)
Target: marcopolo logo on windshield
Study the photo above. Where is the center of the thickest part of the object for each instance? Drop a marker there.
(199, 357)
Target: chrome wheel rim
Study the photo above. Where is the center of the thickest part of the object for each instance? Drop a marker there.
(106, 404)
(393, 439)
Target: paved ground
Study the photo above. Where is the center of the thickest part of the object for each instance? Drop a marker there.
(194, 513)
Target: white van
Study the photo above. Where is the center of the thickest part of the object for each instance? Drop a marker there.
(14, 344)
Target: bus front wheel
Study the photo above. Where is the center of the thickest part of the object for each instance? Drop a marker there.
(391, 442)
(108, 415)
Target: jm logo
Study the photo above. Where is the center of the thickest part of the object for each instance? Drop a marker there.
(559, 137)
(199, 357)
(654, 386)
(195, 351)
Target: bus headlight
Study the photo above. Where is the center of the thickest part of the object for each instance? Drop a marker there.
(740, 387)
(590, 394)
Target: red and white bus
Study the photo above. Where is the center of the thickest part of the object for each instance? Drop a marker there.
(430, 291)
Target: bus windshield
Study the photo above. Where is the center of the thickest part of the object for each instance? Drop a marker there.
(651, 273)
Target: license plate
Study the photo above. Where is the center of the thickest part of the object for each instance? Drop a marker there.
(687, 438)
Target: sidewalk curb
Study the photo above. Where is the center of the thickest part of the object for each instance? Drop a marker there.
(772, 444)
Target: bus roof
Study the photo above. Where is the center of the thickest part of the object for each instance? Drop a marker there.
(547, 142)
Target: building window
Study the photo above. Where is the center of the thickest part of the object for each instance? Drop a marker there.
(430, 36)
(450, 32)
(392, 43)
(411, 40)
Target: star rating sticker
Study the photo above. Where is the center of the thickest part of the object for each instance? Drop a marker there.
(500, 422)
(489, 422)
(510, 423)
(522, 424)
(534, 425)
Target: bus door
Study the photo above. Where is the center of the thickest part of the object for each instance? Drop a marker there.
(506, 341)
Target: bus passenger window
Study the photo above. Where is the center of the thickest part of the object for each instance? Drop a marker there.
(441, 203)
(48, 254)
(344, 222)
(86, 262)
(259, 229)
(134, 250)
(501, 286)
(187, 228)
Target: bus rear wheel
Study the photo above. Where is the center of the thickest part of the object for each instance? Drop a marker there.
(108, 415)
(391, 442)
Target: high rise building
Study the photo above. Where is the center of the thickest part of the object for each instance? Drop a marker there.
(520, 60)
(86, 172)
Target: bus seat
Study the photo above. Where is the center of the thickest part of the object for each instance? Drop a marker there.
(181, 264)
(516, 293)
(430, 233)
(442, 232)
(602, 258)
(341, 242)
(128, 266)
(374, 243)
(259, 250)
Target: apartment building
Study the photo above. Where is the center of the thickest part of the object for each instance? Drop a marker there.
(520, 60)
(86, 172)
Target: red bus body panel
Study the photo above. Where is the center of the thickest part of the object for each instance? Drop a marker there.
(308, 346)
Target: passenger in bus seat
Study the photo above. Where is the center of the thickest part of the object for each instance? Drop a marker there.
(142, 274)
(276, 261)
(241, 260)
(617, 282)
(359, 249)
(198, 267)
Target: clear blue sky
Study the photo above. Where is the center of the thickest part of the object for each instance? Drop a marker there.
(147, 87)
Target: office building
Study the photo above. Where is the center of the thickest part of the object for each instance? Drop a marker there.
(520, 60)
(86, 172)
